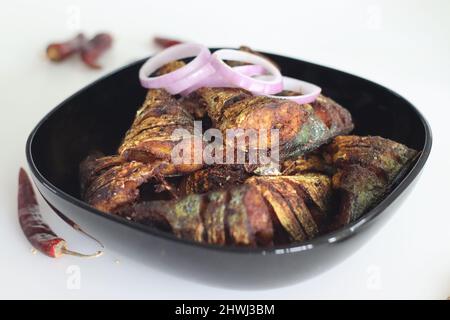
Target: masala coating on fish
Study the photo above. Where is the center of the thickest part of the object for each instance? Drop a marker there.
(235, 216)
(299, 204)
(301, 128)
(308, 163)
(151, 136)
(110, 182)
(214, 216)
(212, 178)
(337, 119)
(118, 185)
(219, 176)
(93, 166)
(367, 167)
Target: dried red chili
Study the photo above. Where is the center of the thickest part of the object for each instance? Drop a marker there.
(94, 48)
(165, 42)
(35, 229)
(59, 51)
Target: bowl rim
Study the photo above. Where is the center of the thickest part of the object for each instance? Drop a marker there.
(336, 236)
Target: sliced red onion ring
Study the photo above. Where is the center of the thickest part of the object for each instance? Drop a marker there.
(309, 91)
(207, 70)
(215, 80)
(195, 70)
(272, 85)
(185, 83)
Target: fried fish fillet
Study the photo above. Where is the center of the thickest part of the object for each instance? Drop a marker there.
(366, 169)
(93, 166)
(117, 186)
(151, 136)
(307, 163)
(299, 204)
(301, 128)
(236, 216)
(214, 217)
(181, 217)
(110, 182)
(212, 178)
(215, 177)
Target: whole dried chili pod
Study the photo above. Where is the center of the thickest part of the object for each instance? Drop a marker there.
(59, 51)
(33, 226)
(94, 48)
(165, 42)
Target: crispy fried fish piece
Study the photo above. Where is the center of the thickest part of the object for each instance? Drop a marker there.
(118, 185)
(366, 169)
(212, 178)
(181, 217)
(300, 203)
(110, 182)
(337, 119)
(248, 220)
(315, 191)
(305, 197)
(281, 211)
(150, 137)
(93, 166)
(385, 156)
(307, 163)
(359, 189)
(317, 187)
(302, 128)
(224, 175)
(297, 205)
(236, 216)
(214, 217)
(213, 101)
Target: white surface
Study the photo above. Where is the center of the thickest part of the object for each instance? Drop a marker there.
(404, 45)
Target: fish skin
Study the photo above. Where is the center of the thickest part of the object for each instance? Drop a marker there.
(213, 178)
(235, 216)
(302, 128)
(366, 167)
(150, 137)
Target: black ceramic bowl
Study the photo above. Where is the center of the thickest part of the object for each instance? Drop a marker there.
(97, 117)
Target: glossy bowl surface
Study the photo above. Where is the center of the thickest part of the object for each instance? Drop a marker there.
(97, 117)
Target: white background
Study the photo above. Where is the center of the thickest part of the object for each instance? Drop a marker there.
(404, 45)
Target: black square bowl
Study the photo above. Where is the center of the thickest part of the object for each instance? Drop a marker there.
(97, 117)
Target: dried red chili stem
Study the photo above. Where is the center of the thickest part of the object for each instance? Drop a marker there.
(73, 224)
(94, 48)
(59, 51)
(165, 42)
(38, 233)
